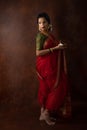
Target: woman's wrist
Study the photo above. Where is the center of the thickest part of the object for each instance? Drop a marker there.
(56, 48)
(53, 49)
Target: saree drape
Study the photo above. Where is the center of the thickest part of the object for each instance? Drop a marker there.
(51, 68)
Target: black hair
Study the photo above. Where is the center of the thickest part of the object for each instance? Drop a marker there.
(43, 15)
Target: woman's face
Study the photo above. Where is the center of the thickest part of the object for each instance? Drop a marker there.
(43, 24)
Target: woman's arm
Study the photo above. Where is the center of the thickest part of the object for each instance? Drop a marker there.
(50, 50)
(42, 52)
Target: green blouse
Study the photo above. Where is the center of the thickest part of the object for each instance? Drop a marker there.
(40, 38)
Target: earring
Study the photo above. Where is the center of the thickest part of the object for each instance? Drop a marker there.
(50, 27)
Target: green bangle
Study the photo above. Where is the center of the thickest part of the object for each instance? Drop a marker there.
(50, 50)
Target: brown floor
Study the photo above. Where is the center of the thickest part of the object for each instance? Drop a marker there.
(24, 117)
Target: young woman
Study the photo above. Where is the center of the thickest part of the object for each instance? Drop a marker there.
(51, 70)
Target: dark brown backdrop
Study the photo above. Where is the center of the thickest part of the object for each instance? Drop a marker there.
(18, 28)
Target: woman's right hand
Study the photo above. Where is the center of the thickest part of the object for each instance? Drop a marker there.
(59, 46)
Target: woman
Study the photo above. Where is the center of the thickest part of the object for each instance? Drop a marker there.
(51, 70)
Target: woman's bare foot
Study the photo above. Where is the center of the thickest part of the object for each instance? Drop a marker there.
(45, 116)
(41, 115)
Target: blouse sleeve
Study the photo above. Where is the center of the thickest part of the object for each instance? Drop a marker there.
(40, 41)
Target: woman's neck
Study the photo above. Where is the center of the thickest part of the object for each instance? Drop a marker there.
(45, 33)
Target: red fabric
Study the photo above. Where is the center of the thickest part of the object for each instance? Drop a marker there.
(47, 66)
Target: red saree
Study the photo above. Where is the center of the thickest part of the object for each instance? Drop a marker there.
(51, 67)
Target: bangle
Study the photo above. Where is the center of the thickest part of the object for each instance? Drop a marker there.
(51, 50)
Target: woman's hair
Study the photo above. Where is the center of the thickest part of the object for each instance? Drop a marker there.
(43, 15)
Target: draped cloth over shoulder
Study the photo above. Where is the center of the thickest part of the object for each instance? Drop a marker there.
(51, 68)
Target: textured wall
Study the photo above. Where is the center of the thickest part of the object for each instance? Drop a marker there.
(18, 28)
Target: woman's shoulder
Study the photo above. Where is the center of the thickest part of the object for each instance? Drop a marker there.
(40, 35)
